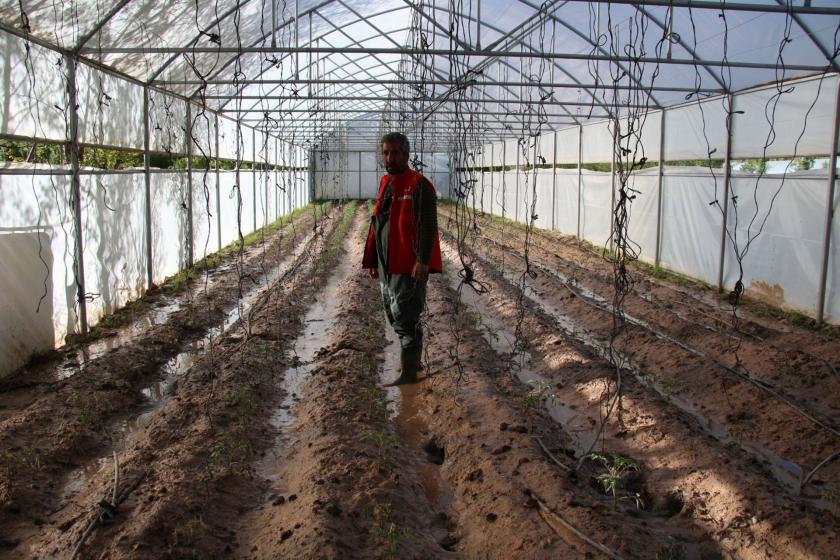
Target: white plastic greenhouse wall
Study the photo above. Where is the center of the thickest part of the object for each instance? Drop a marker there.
(138, 226)
(180, 216)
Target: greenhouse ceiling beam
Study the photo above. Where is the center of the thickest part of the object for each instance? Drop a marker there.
(505, 37)
(290, 50)
(730, 6)
(444, 82)
(683, 44)
(447, 52)
(596, 46)
(831, 57)
(323, 37)
(390, 39)
(216, 23)
(98, 27)
(484, 100)
(353, 41)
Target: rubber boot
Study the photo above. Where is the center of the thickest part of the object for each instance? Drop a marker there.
(410, 362)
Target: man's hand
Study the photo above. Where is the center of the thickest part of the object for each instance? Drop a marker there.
(420, 272)
(373, 273)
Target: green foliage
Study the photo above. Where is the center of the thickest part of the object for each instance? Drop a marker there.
(537, 392)
(753, 165)
(382, 441)
(22, 152)
(803, 164)
(616, 468)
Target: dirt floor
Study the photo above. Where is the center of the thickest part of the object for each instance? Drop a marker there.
(244, 414)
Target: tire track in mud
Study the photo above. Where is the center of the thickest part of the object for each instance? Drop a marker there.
(51, 511)
(339, 483)
(703, 488)
(766, 428)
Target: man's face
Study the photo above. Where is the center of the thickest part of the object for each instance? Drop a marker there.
(394, 158)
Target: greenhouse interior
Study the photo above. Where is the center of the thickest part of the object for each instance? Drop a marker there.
(414, 279)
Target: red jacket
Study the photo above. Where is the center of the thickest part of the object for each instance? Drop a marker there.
(402, 238)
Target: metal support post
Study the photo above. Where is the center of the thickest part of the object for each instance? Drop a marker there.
(297, 40)
(76, 193)
(189, 143)
(659, 192)
(254, 174)
(829, 208)
(360, 175)
(580, 180)
(492, 176)
(147, 175)
(727, 172)
(554, 184)
(504, 176)
(616, 144)
(478, 26)
(218, 188)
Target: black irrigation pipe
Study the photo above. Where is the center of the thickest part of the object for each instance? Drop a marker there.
(767, 388)
(662, 307)
(647, 380)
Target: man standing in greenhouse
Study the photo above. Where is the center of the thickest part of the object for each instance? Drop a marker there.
(402, 248)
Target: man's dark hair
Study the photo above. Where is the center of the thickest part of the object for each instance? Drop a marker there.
(396, 138)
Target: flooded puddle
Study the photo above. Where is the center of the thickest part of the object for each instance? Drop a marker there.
(161, 390)
(160, 314)
(318, 324)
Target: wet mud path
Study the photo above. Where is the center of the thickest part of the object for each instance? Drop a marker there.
(265, 430)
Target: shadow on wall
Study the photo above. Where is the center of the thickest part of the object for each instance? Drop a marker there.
(27, 308)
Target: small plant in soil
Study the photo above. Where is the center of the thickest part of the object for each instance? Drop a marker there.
(86, 407)
(537, 392)
(669, 384)
(831, 494)
(229, 451)
(373, 400)
(612, 479)
(674, 551)
(387, 529)
(245, 399)
(392, 534)
(382, 441)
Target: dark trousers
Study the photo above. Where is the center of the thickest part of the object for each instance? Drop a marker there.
(404, 299)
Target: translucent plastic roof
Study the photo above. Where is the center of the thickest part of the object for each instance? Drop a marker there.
(307, 66)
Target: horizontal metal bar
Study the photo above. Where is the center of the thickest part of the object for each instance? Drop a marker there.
(431, 82)
(378, 112)
(730, 6)
(448, 53)
(408, 101)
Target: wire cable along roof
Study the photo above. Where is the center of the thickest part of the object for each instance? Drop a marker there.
(308, 67)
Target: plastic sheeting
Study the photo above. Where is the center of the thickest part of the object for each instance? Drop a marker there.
(787, 108)
(36, 248)
(784, 259)
(596, 205)
(114, 241)
(33, 91)
(691, 229)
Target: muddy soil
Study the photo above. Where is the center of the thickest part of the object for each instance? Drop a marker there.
(61, 422)
(788, 428)
(278, 438)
